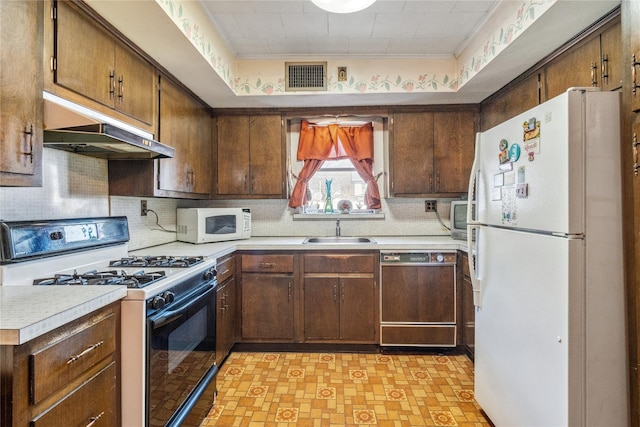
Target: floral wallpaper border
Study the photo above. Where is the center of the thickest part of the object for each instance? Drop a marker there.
(195, 26)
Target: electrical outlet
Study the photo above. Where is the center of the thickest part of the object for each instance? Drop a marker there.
(430, 205)
(143, 208)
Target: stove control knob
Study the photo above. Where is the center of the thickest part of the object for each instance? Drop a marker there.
(157, 302)
(440, 258)
(210, 273)
(168, 296)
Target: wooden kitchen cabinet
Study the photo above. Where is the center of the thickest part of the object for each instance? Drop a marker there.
(593, 62)
(21, 76)
(517, 99)
(267, 297)
(431, 152)
(89, 61)
(250, 157)
(185, 125)
(69, 376)
(339, 303)
(467, 312)
(225, 308)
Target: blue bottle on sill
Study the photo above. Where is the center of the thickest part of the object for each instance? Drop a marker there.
(328, 203)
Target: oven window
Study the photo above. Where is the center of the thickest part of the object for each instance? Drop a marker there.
(181, 349)
(185, 338)
(221, 224)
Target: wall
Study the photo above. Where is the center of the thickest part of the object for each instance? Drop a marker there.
(76, 186)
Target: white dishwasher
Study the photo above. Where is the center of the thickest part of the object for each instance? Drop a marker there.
(418, 298)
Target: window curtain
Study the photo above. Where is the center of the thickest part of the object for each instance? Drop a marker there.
(333, 142)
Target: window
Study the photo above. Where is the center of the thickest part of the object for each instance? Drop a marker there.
(346, 184)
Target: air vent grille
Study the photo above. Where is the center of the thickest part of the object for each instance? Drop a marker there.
(306, 76)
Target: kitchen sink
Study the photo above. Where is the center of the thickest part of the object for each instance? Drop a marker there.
(338, 240)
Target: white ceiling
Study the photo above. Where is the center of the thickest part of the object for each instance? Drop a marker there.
(392, 30)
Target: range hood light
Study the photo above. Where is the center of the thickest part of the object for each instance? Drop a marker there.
(343, 6)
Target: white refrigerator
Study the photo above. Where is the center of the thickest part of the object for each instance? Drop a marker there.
(546, 261)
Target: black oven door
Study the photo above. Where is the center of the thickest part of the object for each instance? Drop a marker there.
(181, 342)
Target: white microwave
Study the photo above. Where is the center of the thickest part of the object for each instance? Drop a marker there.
(458, 223)
(208, 225)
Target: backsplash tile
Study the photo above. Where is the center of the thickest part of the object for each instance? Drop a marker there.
(76, 186)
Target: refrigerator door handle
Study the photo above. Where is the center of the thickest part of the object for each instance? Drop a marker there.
(473, 259)
(472, 194)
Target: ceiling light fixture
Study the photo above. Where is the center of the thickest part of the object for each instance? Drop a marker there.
(343, 6)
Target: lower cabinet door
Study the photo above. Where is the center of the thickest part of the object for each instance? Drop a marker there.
(91, 404)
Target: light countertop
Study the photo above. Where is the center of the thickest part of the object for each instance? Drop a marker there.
(27, 312)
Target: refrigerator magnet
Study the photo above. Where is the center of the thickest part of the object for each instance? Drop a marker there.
(514, 152)
(496, 194)
(521, 175)
(503, 157)
(503, 144)
(532, 146)
(506, 167)
(522, 191)
(498, 180)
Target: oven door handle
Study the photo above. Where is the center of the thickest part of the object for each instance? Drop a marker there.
(170, 316)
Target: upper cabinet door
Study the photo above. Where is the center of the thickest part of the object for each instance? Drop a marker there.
(453, 150)
(578, 67)
(94, 68)
(136, 85)
(411, 154)
(250, 157)
(21, 78)
(233, 155)
(85, 56)
(185, 125)
(611, 57)
(266, 157)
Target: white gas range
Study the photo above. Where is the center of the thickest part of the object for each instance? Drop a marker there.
(167, 318)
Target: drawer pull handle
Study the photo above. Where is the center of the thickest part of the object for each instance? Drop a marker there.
(267, 265)
(93, 420)
(224, 272)
(84, 353)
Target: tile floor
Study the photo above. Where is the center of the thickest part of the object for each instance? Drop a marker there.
(345, 389)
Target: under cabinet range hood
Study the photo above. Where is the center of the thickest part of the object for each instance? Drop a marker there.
(77, 129)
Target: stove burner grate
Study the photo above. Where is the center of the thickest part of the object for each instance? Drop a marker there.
(157, 261)
(139, 279)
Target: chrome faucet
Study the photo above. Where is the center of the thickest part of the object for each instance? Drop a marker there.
(337, 228)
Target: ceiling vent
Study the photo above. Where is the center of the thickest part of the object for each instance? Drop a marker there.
(305, 76)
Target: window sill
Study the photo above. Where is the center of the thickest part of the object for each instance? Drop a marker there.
(331, 217)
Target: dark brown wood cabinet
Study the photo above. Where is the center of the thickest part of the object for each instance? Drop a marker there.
(519, 98)
(21, 29)
(339, 302)
(592, 62)
(186, 125)
(69, 376)
(225, 307)
(467, 311)
(630, 11)
(89, 61)
(267, 297)
(250, 157)
(431, 152)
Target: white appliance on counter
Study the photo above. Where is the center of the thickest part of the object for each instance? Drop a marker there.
(209, 225)
(547, 265)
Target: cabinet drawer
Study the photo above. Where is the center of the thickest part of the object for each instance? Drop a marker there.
(226, 268)
(267, 263)
(339, 263)
(53, 367)
(93, 403)
(419, 335)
